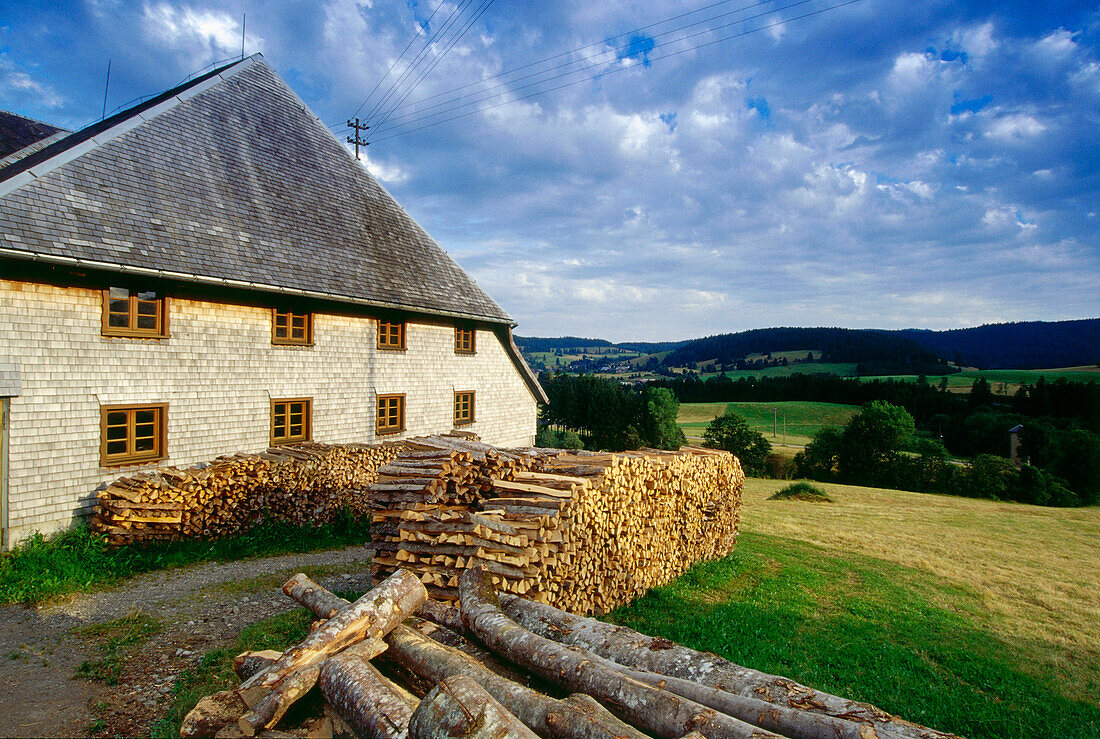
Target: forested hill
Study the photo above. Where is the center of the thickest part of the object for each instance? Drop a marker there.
(1024, 345)
(877, 352)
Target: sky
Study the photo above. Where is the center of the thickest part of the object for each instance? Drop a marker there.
(665, 170)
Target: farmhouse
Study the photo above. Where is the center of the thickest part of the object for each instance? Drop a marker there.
(209, 272)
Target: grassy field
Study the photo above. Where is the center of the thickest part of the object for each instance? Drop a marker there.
(803, 418)
(972, 616)
(1005, 381)
(844, 369)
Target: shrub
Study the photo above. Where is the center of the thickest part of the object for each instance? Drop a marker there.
(554, 439)
(802, 491)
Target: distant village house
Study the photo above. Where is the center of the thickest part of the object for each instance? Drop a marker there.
(211, 271)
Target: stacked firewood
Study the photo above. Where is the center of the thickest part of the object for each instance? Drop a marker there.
(396, 664)
(300, 484)
(585, 532)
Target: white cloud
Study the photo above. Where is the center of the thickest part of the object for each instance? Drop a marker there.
(23, 83)
(1014, 127)
(198, 32)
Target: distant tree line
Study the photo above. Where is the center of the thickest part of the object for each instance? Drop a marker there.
(1024, 345)
(875, 352)
(606, 414)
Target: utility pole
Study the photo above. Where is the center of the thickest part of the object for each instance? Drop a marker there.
(775, 421)
(355, 139)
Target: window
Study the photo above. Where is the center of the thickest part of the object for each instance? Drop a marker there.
(290, 420)
(464, 340)
(391, 414)
(291, 328)
(130, 313)
(464, 408)
(132, 434)
(391, 335)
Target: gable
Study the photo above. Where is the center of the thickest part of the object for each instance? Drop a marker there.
(235, 181)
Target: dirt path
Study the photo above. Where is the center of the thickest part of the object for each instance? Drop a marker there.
(201, 607)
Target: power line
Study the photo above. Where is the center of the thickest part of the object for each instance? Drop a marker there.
(437, 60)
(458, 10)
(620, 69)
(640, 29)
(422, 114)
(399, 57)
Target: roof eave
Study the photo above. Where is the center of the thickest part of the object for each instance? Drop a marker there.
(505, 321)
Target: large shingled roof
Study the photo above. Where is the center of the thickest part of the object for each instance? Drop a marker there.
(17, 132)
(230, 178)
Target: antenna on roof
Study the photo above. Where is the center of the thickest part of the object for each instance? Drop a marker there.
(106, 86)
(355, 139)
(244, 19)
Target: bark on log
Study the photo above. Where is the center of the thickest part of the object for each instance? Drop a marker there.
(490, 661)
(373, 615)
(663, 657)
(789, 722)
(371, 705)
(458, 707)
(575, 717)
(654, 710)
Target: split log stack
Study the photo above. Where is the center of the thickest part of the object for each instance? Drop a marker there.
(515, 668)
(585, 532)
(300, 484)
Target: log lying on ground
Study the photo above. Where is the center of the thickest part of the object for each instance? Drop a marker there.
(657, 711)
(661, 656)
(575, 717)
(272, 690)
(370, 703)
(459, 707)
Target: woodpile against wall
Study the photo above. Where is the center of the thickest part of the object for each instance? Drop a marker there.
(300, 484)
(583, 531)
(397, 664)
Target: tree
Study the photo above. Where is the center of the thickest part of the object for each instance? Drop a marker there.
(980, 394)
(732, 433)
(819, 460)
(873, 440)
(659, 422)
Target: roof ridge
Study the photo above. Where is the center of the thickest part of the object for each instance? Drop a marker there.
(50, 157)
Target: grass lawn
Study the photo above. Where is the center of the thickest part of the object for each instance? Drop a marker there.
(803, 418)
(75, 560)
(971, 616)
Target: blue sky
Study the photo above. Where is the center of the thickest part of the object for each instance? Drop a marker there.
(878, 164)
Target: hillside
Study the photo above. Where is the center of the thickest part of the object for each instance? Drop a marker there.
(1024, 345)
(876, 352)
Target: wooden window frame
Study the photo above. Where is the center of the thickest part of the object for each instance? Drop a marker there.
(472, 417)
(402, 329)
(461, 345)
(289, 340)
(130, 457)
(130, 331)
(384, 430)
(307, 422)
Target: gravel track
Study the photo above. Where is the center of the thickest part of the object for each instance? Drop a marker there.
(201, 607)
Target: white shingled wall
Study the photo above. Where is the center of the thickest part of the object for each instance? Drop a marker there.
(218, 371)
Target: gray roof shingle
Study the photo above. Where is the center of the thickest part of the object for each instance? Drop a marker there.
(231, 177)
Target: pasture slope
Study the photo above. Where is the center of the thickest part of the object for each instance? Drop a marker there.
(802, 419)
(973, 616)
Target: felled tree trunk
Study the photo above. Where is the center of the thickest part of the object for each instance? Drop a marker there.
(505, 669)
(656, 711)
(211, 714)
(271, 691)
(661, 656)
(575, 717)
(459, 708)
(371, 704)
